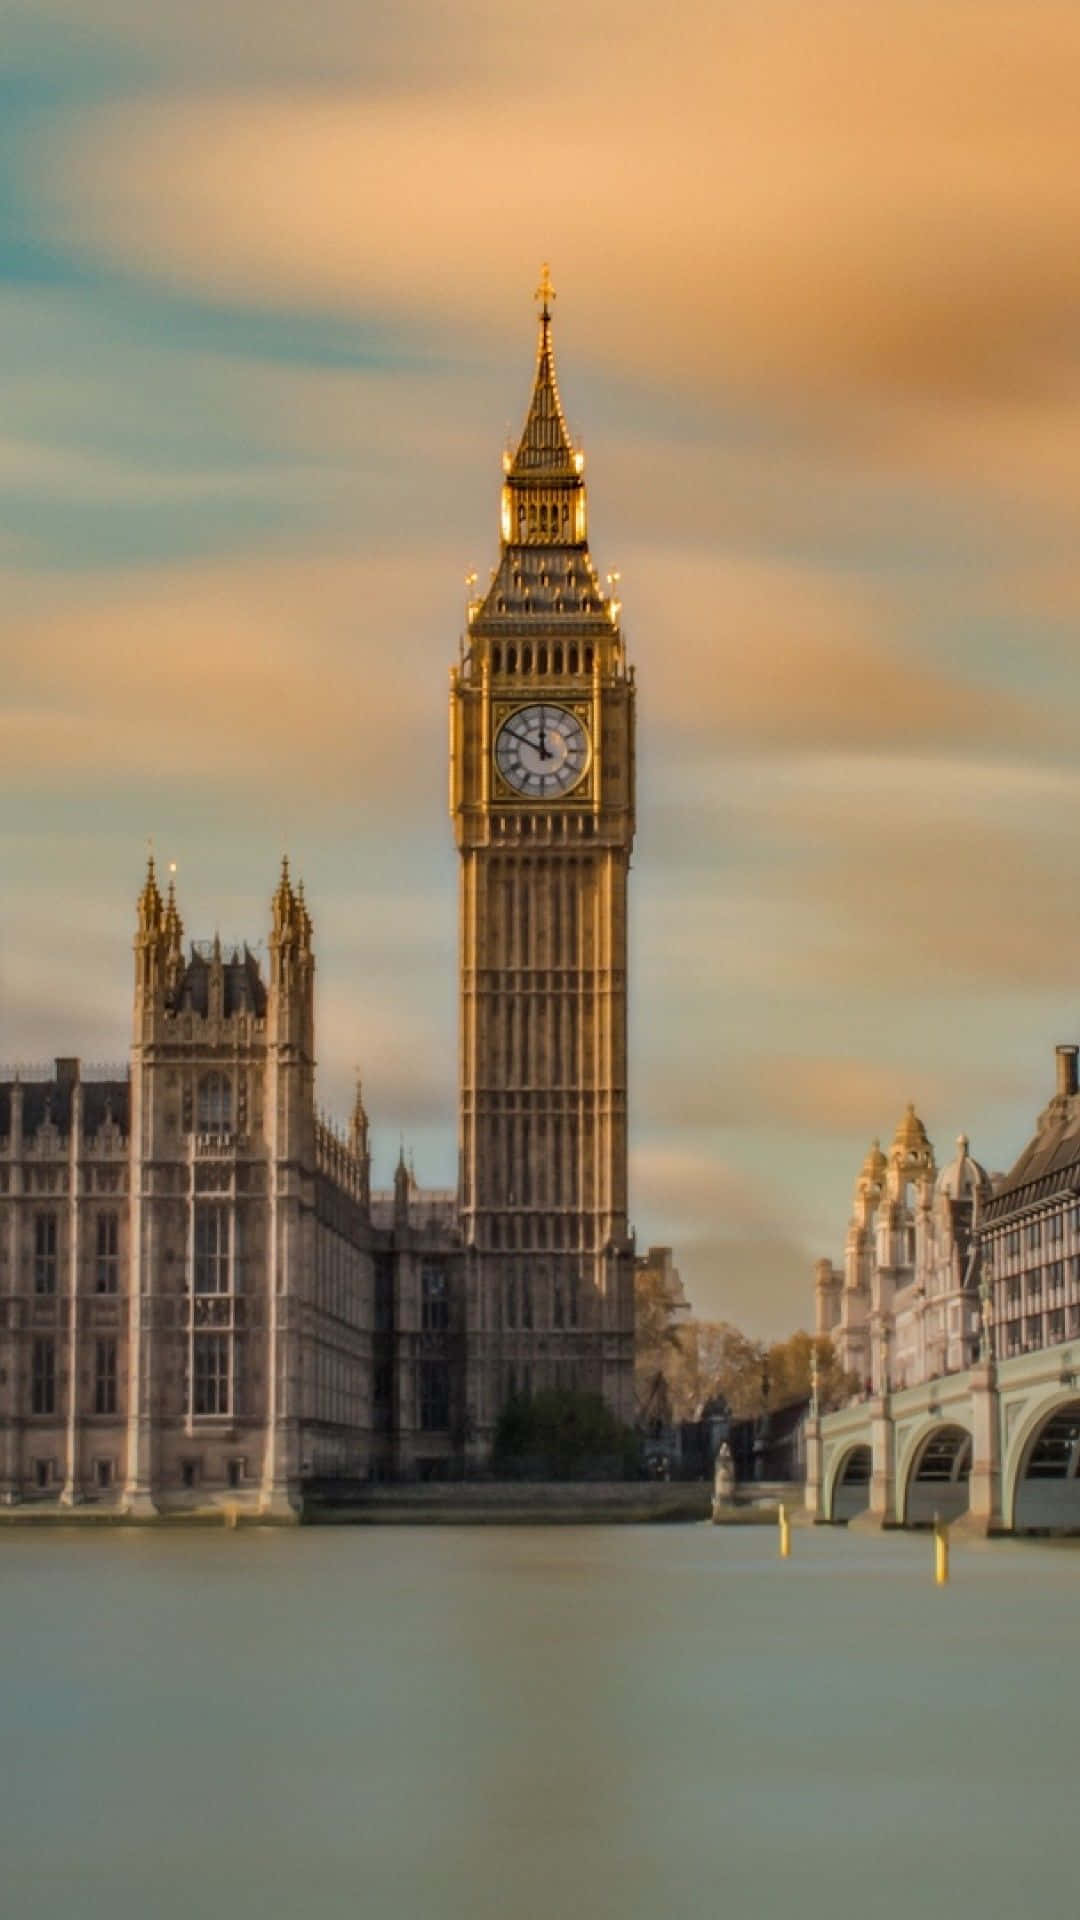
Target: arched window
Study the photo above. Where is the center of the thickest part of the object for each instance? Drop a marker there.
(573, 659)
(558, 660)
(496, 659)
(541, 660)
(511, 659)
(526, 659)
(588, 659)
(213, 1105)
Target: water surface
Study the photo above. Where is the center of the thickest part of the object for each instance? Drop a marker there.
(523, 1722)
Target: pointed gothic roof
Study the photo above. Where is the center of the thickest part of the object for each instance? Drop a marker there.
(545, 574)
(545, 449)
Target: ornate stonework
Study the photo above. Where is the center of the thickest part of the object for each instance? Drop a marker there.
(542, 799)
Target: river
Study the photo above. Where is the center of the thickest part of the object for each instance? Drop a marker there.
(534, 1724)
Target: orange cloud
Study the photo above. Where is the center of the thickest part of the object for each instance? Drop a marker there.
(806, 1093)
(837, 201)
(768, 654)
(305, 670)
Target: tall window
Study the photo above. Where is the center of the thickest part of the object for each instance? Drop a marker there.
(105, 1376)
(43, 1377)
(434, 1395)
(526, 1301)
(557, 1314)
(108, 1253)
(45, 1256)
(211, 1373)
(211, 1247)
(434, 1297)
(213, 1106)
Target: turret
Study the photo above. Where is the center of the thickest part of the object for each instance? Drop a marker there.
(359, 1144)
(172, 939)
(149, 950)
(402, 1184)
(292, 966)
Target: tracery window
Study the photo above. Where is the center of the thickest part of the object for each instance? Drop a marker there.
(211, 1372)
(46, 1259)
(434, 1297)
(107, 1269)
(213, 1107)
(105, 1376)
(43, 1377)
(211, 1247)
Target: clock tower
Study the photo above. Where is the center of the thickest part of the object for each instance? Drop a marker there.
(542, 799)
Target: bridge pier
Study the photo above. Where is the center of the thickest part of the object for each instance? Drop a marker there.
(813, 1497)
(984, 1488)
(882, 1509)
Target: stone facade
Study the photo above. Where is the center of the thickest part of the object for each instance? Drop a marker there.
(201, 1299)
(958, 1311)
(542, 799)
(905, 1305)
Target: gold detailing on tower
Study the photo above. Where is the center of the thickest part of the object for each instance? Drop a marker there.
(149, 905)
(545, 452)
(292, 921)
(545, 292)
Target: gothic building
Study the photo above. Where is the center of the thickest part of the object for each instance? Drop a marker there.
(957, 1312)
(201, 1298)
(202, 1295)
(542, 797)
(905, 1306)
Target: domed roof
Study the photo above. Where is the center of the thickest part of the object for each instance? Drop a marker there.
(964, 1178)
(911, 1135)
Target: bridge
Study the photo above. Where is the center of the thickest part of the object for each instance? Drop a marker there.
(998, 1446)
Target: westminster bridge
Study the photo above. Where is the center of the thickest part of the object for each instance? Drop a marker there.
(999, 1444)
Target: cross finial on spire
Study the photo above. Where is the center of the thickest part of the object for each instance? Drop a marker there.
(545, 292)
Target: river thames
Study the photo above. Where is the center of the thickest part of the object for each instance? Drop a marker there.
(526, 1722)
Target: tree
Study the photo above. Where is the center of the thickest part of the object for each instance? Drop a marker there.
(790, 1371)
(730, 1366)
(561, 1434)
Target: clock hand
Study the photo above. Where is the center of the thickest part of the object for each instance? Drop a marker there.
(544, 754)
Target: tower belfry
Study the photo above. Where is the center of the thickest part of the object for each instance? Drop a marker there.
(542, 797)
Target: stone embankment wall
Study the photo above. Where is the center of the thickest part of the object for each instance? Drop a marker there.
(503, 1503)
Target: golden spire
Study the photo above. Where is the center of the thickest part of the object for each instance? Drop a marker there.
(149, 904)
(545, 452)
(171, 924)
(545, 292)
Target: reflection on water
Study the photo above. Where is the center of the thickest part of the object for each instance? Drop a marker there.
(444, 1723)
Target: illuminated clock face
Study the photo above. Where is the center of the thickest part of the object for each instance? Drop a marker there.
(542, 751)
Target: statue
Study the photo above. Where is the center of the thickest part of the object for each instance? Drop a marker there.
(723, 1480)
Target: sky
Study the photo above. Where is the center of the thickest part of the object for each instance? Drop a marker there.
(266, 323)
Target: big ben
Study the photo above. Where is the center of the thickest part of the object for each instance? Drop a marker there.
(542, 798)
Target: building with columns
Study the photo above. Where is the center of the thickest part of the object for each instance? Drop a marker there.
(201, 1298)
(957, 1314)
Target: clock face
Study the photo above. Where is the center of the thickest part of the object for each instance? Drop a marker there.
(542, 751)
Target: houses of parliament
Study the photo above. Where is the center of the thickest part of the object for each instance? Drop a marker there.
(201, 1297)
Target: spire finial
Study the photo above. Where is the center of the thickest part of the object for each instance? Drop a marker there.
(545, 292)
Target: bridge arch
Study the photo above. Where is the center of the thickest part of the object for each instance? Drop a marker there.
(1041, 1476)
(933, 1475)
(847, 1489)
